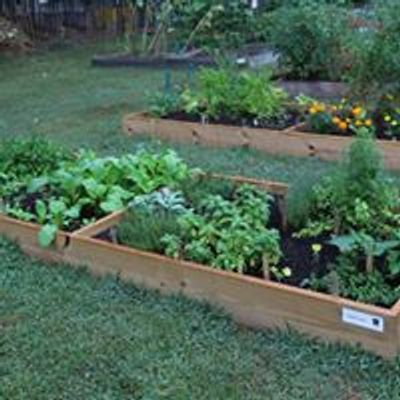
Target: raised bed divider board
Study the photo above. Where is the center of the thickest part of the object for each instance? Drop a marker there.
(290, 141)
(254, 302)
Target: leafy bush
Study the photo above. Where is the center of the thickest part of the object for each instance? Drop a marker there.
(308, 39)
(355, 197)
(227, 93)
(213, 24)
(228, 234)
(376, 53)
(346, 280)
(34, 156)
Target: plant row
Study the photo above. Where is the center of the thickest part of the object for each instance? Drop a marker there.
(343, 235)
(227, 95)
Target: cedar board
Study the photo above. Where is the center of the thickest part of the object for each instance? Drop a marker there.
(290, 142)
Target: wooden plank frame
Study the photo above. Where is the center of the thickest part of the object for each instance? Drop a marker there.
(291, 141)
(25, 234)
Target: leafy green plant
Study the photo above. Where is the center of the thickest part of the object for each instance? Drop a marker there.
(346, 280)
(163, 104)
(357, 196)
(162, 200)
(214, 23)
(375, 53)
(199, 186)
(229, 93)
(369, 246)
(228, 234)
(309, 42)
(34, 156)
(88, 187)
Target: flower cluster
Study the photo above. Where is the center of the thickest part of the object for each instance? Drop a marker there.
(390, 116)
(342, 117)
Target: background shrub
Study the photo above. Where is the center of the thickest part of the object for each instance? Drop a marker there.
(309, 36)
(375, 66)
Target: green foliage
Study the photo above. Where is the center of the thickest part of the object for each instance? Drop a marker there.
(162, 200)
(214, 23)
(142, 228)
(368, 245)
(83, 189)
(346, 280)
(227, 234)
(162, 104)
(376, 53)
(357, 196)
(21, 158)
(309, 40)
(198, 187)
(227, 92)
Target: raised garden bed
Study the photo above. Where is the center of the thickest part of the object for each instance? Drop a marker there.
(291, 141)
(250, 300)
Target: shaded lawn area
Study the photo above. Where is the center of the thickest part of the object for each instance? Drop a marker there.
(66, 335)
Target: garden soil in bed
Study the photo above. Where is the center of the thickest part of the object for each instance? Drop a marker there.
(279, 123)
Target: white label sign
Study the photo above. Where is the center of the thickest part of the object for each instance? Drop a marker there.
(363, 320)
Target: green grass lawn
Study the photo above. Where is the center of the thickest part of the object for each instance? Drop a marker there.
(66, 335)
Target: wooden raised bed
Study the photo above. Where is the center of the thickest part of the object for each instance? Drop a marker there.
(251, 301)
(254, 302)
(287, 142)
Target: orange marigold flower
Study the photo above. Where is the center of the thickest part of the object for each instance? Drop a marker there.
(343, 126)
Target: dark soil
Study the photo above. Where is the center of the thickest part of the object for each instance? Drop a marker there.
(284, 121)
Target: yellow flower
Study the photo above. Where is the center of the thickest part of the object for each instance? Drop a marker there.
(312, 110)
(336, 120)
(348, 120)
(359, 123)
(357, 111)
(368, 122)
(387, 118)
(316, 248)
(343, 126)
(287, 272)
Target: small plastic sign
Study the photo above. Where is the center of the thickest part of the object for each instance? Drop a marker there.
(363, 320)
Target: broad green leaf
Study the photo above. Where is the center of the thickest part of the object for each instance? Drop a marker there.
(47, 235)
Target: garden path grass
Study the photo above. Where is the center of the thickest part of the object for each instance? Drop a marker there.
(66, 335)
